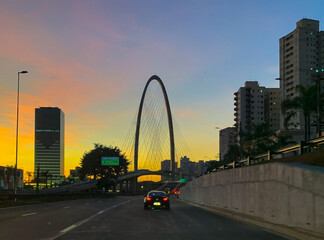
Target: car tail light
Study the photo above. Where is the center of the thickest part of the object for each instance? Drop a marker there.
(165, 199)
(148, 199)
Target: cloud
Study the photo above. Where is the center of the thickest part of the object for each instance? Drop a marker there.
(187, 113)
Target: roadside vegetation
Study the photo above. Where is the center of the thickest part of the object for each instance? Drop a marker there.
(260, 140)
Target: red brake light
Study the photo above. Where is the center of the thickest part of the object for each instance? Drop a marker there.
(148, 199)
(165, 199)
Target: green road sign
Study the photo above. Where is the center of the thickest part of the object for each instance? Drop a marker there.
(109, 161)
(183, 180)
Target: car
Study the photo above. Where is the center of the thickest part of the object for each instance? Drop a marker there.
(176, 192)
(156, 199)
(167, 190)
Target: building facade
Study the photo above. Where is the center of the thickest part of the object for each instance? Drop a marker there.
(166, 168)
(272, 108)
(227, 137)
(184, 167)
(255, 105)
(49, 140)
(7, 178)
(301, 52)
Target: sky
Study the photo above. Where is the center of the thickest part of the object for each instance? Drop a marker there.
(92, 59)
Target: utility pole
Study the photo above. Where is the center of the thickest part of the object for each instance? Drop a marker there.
(317, 77)
(15, 172)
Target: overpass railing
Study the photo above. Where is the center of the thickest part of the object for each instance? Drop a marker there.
(292, 150)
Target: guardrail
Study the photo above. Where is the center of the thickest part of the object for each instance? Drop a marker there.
(297, 149)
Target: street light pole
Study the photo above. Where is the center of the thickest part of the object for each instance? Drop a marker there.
(15, 172)
(317, 78)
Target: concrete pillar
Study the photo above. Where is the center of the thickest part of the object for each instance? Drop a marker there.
(121, 186)
(133, 183)
(301, 147)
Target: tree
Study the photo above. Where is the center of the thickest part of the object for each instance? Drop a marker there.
(91, 164)
(45, 175)
(29, 174)
(305, 102)
(258, 140)
(235, 152)
(211, 165)
(282, 141)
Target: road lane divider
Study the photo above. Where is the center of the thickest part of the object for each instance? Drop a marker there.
(64, 231)
(68, 228)
(29, 214)
(67, 207)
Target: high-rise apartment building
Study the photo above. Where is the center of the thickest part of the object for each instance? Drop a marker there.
(300, 51)
(49, 140)
(166, 169)
(227, 137)
(255, 105)
(249, 107)
(184, 166)
(272, 108)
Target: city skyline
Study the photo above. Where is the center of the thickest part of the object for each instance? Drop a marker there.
(102, 54)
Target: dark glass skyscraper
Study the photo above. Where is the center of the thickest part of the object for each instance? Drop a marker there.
(49, 140)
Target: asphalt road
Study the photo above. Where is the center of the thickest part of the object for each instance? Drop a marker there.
(121, 218)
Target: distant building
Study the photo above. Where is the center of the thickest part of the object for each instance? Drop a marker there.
(272, 108)
(200, 168)
(254, 107)
(300, 51)
(7, 178)
(184, 167)
(75, 172)
(192, 169)
(49, 140)
(166, 168)
(227, 137)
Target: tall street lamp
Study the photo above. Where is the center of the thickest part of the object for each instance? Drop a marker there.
(15, 173)
(316, 76)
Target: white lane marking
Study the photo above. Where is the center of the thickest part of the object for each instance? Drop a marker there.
(85, 220)
(67, 207)
(68, 228)
(28, 214)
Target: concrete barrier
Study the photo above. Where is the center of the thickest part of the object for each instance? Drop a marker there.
(289, 196)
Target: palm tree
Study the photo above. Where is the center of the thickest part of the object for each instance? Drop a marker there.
(305, 102)
(45, 174)
(29, 174)
(259, 140)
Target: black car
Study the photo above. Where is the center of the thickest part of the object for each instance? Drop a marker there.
(156, 199)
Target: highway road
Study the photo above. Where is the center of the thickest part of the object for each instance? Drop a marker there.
(121, 218)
